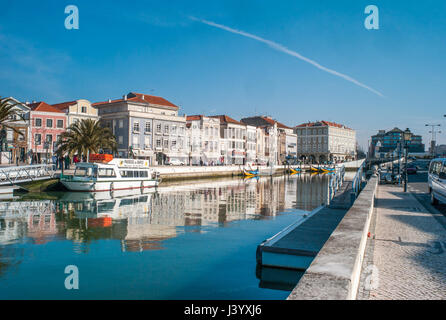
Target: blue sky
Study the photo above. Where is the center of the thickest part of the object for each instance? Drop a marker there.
(155, 47)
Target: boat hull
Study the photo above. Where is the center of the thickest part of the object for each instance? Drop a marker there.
(99, 186)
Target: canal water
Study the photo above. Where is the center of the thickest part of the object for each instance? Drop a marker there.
(188, 240)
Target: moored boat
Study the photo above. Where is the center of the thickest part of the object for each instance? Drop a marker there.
(103, 173)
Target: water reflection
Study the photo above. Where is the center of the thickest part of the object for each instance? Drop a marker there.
(143, 221)
(185, 231)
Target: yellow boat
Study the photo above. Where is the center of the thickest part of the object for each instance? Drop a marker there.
(294, 171)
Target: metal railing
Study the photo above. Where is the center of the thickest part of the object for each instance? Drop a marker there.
(336, 181)
(13, 175)
(357, 182)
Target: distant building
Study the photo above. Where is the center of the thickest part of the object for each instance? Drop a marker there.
(145, 127)
(16, 145)
(78, 110)
(204, 140)
(284, 143)
(251, 144)
(47, 125)
(389, 141)
(232, 140)
(323, 141)
(440, 150)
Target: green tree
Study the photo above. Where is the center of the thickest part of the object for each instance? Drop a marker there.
(9, 114)
(85, 137)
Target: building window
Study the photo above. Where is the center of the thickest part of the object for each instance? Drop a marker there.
(38, 122)
(148, 128)
(158, 128)
(147, 142)
(174, 129)
(121, 123)
(84, 109)
(136, 127)
(166, 143)
(136, 142)
(60, 123)
(38, 139)
(166, 128)
(120, 139)
(158, 143)
(49, 123)
(49, 138)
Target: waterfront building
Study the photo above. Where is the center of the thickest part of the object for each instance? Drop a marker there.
(251, 144)
(47, 125)
(78, 110)
(281, 140)
(322, 141)
(204, 140)
(14, 146)
(232, 140)
(391, 141)
(145, 127)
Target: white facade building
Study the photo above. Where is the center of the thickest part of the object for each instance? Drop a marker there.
(204, 140)
(322, 141)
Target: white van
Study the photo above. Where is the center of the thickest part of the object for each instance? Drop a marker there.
(437, 180)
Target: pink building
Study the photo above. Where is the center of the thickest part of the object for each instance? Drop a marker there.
(47, 125)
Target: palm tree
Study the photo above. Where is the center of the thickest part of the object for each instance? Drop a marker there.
(9, 114)
(85, 137)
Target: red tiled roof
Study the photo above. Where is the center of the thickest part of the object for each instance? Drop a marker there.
(142, 98)
(43, 107)
(263, 121)
(64, 105)
(194, 118)
(324, 123)
(226, 119)
(271, 121)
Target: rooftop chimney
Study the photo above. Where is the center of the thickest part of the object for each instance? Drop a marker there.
(109, 100)
(125, 97)
(143, 97)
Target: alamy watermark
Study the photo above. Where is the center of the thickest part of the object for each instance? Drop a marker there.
(72, 281)
(72, 20)
(372, 280)
(371, 22)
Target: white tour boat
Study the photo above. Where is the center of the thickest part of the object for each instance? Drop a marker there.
(103, 173)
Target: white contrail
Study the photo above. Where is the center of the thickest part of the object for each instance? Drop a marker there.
(281, 48)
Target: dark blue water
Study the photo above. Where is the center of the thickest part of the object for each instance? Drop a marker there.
(195, 241)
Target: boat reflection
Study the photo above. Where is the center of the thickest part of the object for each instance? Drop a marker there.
(144, 220)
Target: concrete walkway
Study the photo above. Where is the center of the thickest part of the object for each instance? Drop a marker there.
(406, 255)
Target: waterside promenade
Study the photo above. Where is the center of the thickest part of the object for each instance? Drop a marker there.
(391, 245)
(405, 256)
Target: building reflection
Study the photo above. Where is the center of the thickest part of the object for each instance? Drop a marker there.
(143, 222)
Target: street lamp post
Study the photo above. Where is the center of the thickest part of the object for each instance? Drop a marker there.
(407, 135)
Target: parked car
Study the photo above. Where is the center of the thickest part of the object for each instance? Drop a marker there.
(437, 180)
(175, 162)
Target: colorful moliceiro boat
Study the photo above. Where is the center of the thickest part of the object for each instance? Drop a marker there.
(250, 173)
(295, 170)
(103, 174)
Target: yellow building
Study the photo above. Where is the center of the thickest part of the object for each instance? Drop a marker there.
(78, 110)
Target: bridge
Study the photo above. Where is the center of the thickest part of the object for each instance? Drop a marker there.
(13, 175)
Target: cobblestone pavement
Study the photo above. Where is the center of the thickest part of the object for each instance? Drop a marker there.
(405, 257)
